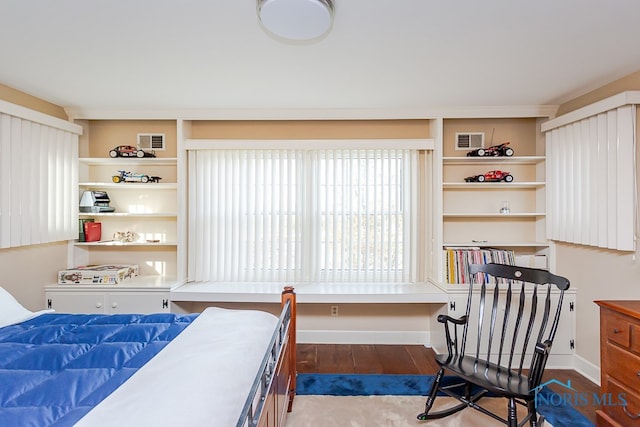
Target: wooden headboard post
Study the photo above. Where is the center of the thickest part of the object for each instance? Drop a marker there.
(288, 294)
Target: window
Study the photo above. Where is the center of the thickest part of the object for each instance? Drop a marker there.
(326, 215)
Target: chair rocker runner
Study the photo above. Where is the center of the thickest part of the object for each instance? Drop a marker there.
(510, 322)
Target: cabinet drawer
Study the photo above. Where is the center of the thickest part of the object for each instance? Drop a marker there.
(623, 366)
(617, 329)
(619, 393)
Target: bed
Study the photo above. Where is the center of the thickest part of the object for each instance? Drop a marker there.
(220, 367)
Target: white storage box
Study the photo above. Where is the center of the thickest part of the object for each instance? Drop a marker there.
(97, 274)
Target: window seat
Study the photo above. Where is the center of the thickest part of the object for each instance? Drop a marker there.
(314, 293)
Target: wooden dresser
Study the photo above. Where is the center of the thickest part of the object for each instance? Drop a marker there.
(619, 363)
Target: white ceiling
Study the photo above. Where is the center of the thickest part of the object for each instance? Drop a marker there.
(380, 54)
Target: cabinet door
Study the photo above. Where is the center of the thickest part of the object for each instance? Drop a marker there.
(138, 302)
(563, 341)
(76, 302)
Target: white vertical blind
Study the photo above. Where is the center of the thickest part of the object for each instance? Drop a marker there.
(243, 221)
(591, 180)
(366, 201)
(302, 215)
(38, 183)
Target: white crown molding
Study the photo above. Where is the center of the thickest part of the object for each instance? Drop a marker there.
(545, 111)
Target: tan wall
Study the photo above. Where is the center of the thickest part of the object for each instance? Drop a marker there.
(311, 129)
(27, 269)
(630, 82)
(355, 323)
(106, 134)
(598, 273)
(20, 98)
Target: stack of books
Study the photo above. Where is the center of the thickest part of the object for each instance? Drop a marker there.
(458, 260)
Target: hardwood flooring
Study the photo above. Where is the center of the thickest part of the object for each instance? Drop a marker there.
(408, 359)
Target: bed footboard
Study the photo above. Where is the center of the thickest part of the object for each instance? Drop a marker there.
(274, 388)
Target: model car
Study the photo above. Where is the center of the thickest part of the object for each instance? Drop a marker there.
(491, 176)
(494, 150)
(125, 176)
(130, 151)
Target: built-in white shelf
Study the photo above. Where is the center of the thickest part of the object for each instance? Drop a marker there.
(515, 160)
(143, 282)
(131, 185)
(496, 244)
(136, 161)
(493, 215)
(493, 185)
(128, 214)
(106, 243)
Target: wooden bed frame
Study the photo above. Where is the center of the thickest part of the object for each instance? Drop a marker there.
(274, 387)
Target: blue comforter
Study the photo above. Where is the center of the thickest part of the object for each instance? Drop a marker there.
(56, 367)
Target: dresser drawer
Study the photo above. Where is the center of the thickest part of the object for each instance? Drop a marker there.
(635, 338)
(617, 329)
(623, 366)
(616, 410)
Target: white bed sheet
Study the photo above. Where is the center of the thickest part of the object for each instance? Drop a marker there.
(201, 378)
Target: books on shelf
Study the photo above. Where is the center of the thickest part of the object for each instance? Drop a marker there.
(458, 260)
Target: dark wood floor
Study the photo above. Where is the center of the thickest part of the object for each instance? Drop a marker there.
(406, 359)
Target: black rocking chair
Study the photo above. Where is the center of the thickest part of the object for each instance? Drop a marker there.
(506, 327)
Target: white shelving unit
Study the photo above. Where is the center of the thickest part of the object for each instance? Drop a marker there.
(148, 209)
(151, 210)
(471, 211)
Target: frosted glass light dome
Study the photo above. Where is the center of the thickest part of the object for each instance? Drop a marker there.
(296, 19)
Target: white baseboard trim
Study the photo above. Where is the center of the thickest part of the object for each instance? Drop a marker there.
(363, 337)
(587, 369)
(559, 361)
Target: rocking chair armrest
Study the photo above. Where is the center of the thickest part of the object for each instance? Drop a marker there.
(541, 353)
(443, 318)
(451, 332)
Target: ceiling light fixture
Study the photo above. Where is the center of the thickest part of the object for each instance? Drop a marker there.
(296, 19)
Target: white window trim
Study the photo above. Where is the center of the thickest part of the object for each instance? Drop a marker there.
(309, 144)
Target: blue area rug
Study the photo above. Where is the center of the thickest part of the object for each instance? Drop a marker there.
(418, 385)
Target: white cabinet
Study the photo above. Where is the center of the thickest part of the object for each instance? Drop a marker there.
(150, 211)
(107, 299)
(564, 343)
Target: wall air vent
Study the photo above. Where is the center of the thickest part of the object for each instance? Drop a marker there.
(469, 140)
(151, 141)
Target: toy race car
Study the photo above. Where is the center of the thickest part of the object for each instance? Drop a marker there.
(130, 151)
(494, 150)
(125, 176)
(491, 176)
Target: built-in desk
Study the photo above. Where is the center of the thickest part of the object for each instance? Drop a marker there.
(316, 293)
(332, 313)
